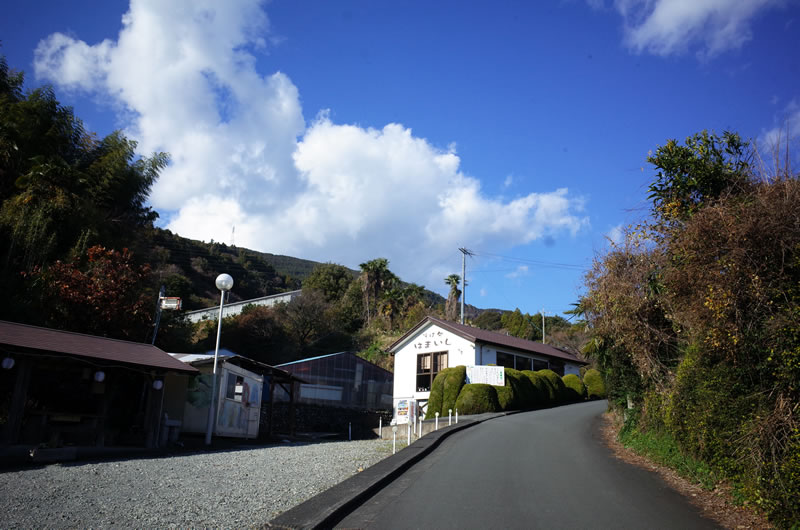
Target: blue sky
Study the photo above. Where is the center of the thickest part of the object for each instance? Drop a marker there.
(345, 131)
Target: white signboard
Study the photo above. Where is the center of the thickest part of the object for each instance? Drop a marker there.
(490, 375)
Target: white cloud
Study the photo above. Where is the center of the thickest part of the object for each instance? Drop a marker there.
(665, 27)
(522, 270)
(616, 234)
(773, 142)
(183, 75)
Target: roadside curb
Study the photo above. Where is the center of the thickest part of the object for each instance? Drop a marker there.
(327, 508)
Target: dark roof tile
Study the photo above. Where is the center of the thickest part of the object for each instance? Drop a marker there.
(67, 342)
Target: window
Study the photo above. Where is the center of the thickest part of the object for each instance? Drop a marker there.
(428, 365)
(235, 387)
(505, 359)
(540, 365)
(523, 363)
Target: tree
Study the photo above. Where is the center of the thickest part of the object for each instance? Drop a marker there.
(375, 278)
(331, 279)
(692, 175)
(520, 325)
(62, 190)
(305, 318)
(489, 320)
(451, 306)
(694, 317)
(108, 296)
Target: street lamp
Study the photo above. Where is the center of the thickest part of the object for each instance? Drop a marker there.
(224, 283)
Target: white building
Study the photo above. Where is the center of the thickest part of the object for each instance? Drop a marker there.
(211, 313)
(434, 344)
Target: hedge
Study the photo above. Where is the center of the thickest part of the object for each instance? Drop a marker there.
(575, 388)
(456, 378)
(444, 391)
(595, 387)
(559, 391)
(436, 396)
(524, 393)
(477, 398)
(541, 393)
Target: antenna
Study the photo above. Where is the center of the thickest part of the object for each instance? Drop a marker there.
(233, 233)
(464, 254)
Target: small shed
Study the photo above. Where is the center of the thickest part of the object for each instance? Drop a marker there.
(60, 388)
(243, 385)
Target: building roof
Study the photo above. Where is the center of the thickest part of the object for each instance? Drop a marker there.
(493, 338)
(69, 343)
(360, 359)
(201, 359)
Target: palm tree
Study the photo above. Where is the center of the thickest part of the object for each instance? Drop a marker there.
(412, 294)
(451, 306)
(375, 277)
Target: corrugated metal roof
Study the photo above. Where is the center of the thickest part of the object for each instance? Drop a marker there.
(359, 359)
(201, 359)
(67, 342)
(491, 337)
(311, 358)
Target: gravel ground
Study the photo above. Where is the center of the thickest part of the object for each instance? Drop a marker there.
(238, 488)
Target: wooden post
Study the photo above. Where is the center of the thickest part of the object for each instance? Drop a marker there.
(271, 404)
(16, 411)
(292, 406)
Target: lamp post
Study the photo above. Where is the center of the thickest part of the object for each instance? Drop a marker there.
(224, 283)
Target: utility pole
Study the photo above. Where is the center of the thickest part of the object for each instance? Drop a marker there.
(544, 340)
(464, 254)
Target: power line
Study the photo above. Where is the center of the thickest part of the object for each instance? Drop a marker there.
(540, 263)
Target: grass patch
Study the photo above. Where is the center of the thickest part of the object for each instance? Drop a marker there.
(661, 448)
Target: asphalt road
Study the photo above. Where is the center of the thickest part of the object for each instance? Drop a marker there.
(541, 469)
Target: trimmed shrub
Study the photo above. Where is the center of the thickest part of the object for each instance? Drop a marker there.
(524, 393)
(539, 387)
(477, 398)
(456, 378)
(575, 388)
(559, 394)
(506, 397)
(595, 387)
(436, 397)
(444, 390)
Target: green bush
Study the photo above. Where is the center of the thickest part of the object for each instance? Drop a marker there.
(559, 394)
(506, 397)
(524, 393)
(444, 391)
(477, 398)
(595, 387)
(456, 378)
(575, 388)
(436, 397)
(539, 386)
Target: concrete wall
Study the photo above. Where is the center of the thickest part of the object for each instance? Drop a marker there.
(211, 313)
